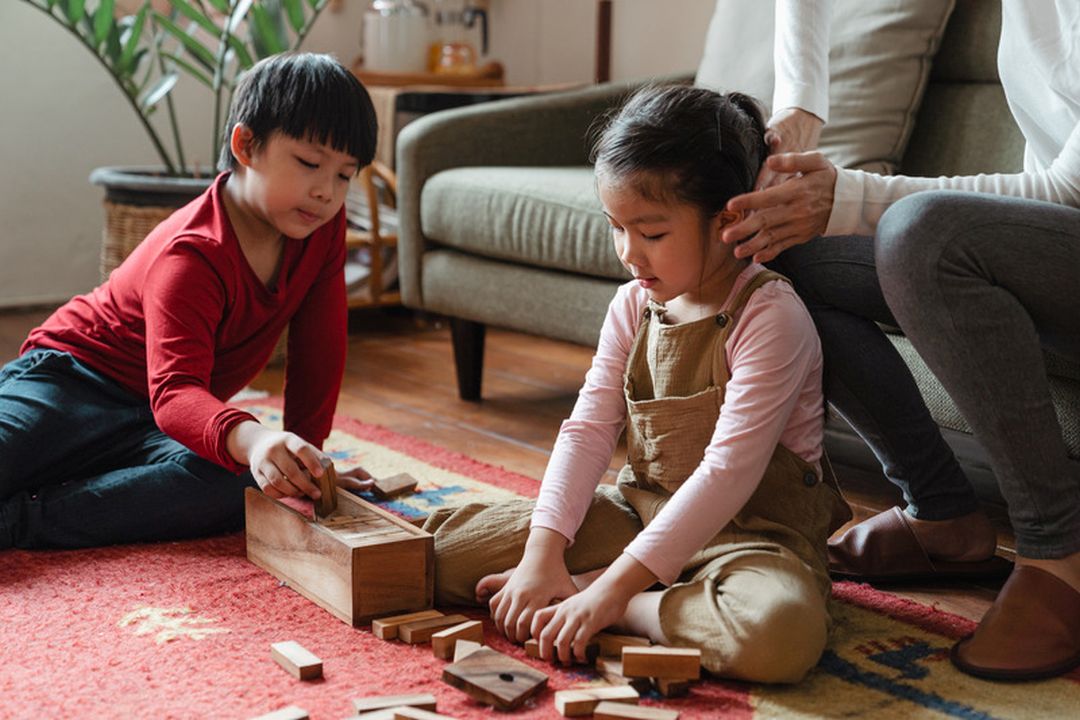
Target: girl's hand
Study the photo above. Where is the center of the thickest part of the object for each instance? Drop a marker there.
(564, 630)
(532, 586)
(790, 213)
(792, 130)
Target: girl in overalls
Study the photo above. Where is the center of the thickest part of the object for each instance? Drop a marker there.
(714, 536)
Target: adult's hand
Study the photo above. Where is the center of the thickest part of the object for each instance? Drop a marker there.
(785, 215)
(791, 130)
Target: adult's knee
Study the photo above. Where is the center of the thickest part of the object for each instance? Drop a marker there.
(909, 239)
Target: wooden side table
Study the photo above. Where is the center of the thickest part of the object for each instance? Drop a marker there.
(375, 240)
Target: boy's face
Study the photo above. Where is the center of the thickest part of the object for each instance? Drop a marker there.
(296, 185)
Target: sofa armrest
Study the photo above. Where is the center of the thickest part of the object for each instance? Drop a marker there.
(548, 129)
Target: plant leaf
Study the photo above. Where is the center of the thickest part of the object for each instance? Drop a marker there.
(131, 40)
(158, 90)
(103, 20)
(193, 46)
(192, 70)
(75, 10)
(238, 14)
(264, 33)
(295, 11)
(192, 13)
(222, 6)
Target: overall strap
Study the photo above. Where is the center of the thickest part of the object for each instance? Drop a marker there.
(725, 319)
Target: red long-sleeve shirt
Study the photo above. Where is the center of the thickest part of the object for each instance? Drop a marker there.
(186, 323)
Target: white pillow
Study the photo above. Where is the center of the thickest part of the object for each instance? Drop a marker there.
(880, 52)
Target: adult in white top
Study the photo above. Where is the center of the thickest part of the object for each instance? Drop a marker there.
(982, 274)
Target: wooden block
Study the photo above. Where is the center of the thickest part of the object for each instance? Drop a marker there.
(612, 644)
(386, 628)
(386, 488)
(297, 660)
(414, 713)
(384, 714)
(374, 564)
(425, 701)
(291, 712)
(582, 701)
(661, 662)
(621, 711)
(532, 649)
(611, 670)
(327, 502)
(465, 648)
(495, 679)
(419, 631)
(670, 687)
(444, 641)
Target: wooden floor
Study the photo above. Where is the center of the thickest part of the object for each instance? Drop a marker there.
(400, 375)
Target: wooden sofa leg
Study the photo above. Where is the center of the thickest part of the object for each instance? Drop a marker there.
(468, 339)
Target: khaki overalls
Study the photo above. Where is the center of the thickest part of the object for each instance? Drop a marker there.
(754, 599)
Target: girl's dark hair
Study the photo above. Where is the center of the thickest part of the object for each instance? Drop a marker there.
(684, 143)
(305, 96)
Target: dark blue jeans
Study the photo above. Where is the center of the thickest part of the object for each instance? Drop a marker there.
(84, 464)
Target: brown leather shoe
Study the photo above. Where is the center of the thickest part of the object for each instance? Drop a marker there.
(884, 548)
(1031, 632)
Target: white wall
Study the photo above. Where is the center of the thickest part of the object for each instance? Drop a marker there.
(60, 115)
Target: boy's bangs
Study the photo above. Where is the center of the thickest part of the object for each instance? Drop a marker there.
(337, 116)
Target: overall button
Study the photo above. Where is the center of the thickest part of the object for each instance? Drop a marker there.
(809, 478)
(721, 319)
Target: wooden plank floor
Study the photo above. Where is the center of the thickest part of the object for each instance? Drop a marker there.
(400, 375)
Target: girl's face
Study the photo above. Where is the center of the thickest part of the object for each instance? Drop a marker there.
(670, 248)
(294, 186)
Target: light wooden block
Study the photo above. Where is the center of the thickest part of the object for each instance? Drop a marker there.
(297, 660)
(465, 648)
(327, 502)
(612, 644)
(661, 662)
(425, 701)
(611, 670)
(532, 648)
(359, 563)
(419, 631)
(414, 713)
(622, 711)
(495, 679)
(386, 628)
(388, 487)
(444, 641)
(670, 688)
(582, 701)
(292, 712)
(384, 714)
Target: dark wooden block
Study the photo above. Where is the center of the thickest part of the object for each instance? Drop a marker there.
(388, 487)
(495, 679)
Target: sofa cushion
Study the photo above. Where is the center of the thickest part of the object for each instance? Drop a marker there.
(879, 59)
(546, 217)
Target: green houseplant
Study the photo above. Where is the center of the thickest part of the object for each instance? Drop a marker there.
(146, 47)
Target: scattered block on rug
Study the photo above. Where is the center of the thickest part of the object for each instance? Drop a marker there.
(611, 670)
(419, 631)
(670, 688)
(592, 651)
(612, 644)
(620, 711)
(425, 701)
(297, 660)
(386, 628)
(465, 648)
(388, 487)
(443, 642)
(292, 712)
(495, 679)
(327, 502)
(359, 563)
(582, 701)
(661, 662)
(413, 713)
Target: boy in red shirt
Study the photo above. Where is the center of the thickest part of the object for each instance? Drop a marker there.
(113, 420)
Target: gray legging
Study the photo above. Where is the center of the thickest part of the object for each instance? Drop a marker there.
(979, 284)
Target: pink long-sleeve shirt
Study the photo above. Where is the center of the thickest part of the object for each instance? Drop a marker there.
(774, 396)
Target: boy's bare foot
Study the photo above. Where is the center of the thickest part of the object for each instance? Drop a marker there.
(968, 538)
(491, 584)
(585, 579)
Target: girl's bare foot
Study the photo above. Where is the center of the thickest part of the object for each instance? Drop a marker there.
(585, 579)
(491, 584)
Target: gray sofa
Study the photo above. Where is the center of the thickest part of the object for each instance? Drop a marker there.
(500, 224)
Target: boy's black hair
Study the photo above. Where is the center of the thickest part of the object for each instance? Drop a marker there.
(683, 143)
(305, 96)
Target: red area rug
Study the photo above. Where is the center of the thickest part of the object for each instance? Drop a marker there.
(183, 630)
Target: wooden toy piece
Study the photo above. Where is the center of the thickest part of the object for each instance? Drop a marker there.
(384, 714)
(612, 644)
(359, 563)
(611, 670)
(388, 487)
(292, 712)
(582, 701)
(465, 648)
(327, 502)
(621, 711)
(386, 628)
(444, 641)
(661, 662)
(532, 648)
(419, 631)
(297, 660)
(670, 687)
(495, 679)
(414, 713)
(425, 701)
(592, 651)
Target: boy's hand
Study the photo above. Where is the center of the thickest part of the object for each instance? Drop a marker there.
(357, 479)
(282, 463)
(564, 630)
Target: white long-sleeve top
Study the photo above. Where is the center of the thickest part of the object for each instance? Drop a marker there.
(1039, 65)
(801, 56)
(774, 396)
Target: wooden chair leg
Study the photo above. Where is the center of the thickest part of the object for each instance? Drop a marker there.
(468, 339)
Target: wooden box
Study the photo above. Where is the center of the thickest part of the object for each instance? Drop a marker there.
(360, 563)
